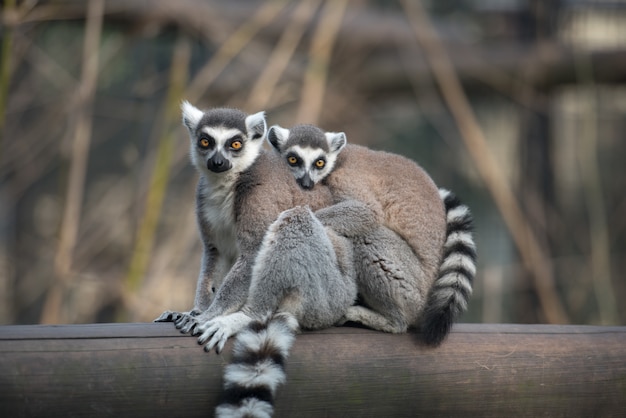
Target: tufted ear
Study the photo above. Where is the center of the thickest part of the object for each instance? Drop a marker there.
(278, 136)
(256, 125)
(336, 140)
(191, 115)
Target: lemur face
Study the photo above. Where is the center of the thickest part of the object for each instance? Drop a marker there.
(223, 140)
(310, 153)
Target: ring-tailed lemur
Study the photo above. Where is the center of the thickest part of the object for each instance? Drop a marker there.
(428, 288)
(224, 143)
(242, 189)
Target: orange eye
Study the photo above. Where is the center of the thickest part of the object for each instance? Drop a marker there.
(203, 143)
(320, 163)
(236, 145)
(292, 160)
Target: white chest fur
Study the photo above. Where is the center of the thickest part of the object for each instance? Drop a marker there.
(218, 212)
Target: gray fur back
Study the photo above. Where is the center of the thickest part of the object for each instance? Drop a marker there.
(298, 254)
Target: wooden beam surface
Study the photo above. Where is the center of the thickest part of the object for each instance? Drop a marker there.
(481, 370)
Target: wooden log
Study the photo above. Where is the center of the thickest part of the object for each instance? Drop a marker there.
(481, 370)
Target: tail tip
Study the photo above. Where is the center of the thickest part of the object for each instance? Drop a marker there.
(435, 333)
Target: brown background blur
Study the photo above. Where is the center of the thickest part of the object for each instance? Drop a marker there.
(96, 192)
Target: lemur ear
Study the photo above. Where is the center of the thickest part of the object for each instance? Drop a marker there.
(191, 115)
(256, 125)
(336, 140)
(277, 136)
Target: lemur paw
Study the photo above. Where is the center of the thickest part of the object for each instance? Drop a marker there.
(174, 316)
(168, 316)
(186, 325)
(187, 322)
(342, 321)
(218, 330)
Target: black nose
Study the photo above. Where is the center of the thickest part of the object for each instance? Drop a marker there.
(306, 182)
(218, 164)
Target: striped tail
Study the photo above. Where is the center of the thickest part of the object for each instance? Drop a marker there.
(449, 296)
(257, 368)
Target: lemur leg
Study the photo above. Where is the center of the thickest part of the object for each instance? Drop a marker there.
(390, 282)
(388, 271)
(374, 320)
(350, 218)
(297, 271)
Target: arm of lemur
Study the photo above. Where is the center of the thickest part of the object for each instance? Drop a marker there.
(205, 289)
(213, 267)
(349, 218)
(257, 206)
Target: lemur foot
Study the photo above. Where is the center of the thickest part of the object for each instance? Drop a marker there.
(187, 323)
(342, 321)
(169, 316)
(218, 330)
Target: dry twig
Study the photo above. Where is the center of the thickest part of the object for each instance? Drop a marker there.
(281, 55)
(587, 153)
(230, 48)
(144, 241)
(81, 131)
(316, 75)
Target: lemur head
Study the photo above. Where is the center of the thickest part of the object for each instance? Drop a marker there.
(223, 140)
(310, 152)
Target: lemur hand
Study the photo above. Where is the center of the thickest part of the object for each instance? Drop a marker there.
(218, 330)
(169, 316)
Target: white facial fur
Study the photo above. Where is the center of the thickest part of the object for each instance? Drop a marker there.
(304, 167)
(307, 163)
(221, 139)
(191, 114)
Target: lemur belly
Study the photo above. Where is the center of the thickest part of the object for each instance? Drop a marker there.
(218, 212)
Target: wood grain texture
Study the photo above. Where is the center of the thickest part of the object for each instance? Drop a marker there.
(481, 370)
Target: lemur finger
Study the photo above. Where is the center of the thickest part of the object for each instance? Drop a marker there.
(212, 331)
(220, 345)
(180, 321)
(218, 339)
(205, 336)
(167, 316)
(189, 325)
(183, 322)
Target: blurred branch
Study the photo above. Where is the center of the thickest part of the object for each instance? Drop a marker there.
(281, 55)
(81, 115)
(587, 153)
(144, 241)
(454, 96)
(316, 73)
(496, 65)
(230, 48)
(5, 63)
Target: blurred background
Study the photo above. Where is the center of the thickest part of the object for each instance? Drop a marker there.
(518, 106)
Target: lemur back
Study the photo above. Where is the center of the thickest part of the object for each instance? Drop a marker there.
(409, 211)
